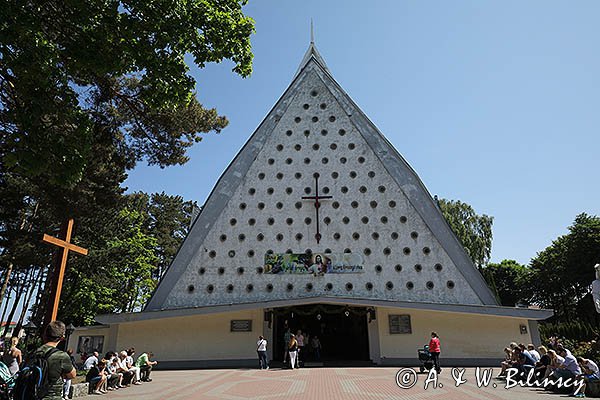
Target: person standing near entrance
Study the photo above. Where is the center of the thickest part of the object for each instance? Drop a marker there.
(286, 340)
(261, 349)
(300, 340)
(293, 350)
(434, 350)
(316, 346)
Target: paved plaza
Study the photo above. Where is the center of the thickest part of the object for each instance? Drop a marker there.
(315, 383)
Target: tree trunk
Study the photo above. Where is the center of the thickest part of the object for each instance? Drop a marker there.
(5, 308)
(6, 279)
(10, 265)
(27, 299)
(10, 315)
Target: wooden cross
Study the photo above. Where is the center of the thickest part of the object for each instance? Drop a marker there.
(59, 269)
(316, 198)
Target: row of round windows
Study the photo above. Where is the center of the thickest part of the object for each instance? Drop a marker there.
(378, 268)
(317, 146)
(298, 175)
(324, 160)
(309, 287)
(308, 190)
(327, 220)
(366, 251)
(337, 236)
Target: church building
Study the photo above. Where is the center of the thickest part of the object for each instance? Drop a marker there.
(319, 225)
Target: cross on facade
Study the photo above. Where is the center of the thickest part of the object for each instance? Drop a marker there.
(316, 198)
(59, 269)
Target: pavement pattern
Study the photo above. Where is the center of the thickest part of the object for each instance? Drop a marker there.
(319, 383)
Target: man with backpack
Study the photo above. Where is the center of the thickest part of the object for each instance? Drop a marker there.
(42, 377)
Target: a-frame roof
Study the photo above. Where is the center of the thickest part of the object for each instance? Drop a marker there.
(396, 166)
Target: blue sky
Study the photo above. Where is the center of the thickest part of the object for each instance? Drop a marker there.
(494, 103)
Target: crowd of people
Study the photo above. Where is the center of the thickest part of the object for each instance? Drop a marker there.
(553, 361)
(113, 371)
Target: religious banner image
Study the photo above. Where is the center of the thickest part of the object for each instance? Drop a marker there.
(315, 264)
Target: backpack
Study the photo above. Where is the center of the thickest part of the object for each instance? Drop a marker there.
(32, 381)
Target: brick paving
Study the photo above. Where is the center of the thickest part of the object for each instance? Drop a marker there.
(314, 384)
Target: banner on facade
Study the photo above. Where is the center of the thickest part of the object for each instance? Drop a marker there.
(315, 264)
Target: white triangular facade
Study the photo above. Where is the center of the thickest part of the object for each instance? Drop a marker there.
(379, 210)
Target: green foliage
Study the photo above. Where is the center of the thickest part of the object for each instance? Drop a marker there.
(561, 275)
(508, 279)
(474, 231)
(71, 71)
(572, 330)
(128, 249)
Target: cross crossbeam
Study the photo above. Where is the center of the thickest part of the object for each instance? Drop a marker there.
(59, 269)
(317, 204)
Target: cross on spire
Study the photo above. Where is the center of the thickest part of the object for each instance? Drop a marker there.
(316, 198)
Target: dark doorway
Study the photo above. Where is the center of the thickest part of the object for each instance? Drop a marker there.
(341, 330)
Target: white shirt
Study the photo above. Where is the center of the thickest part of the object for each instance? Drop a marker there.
(300, 340)
(592, 366)
(535, 355)
(262, 345)
(90, 362)
(129, 362)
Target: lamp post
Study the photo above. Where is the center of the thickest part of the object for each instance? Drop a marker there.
(69, 331)
(30, 330)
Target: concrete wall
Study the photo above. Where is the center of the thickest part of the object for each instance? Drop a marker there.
(403, 229)
(206, 340)
(202, 337)
(462, 336)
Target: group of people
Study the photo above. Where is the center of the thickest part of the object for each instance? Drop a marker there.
(109, 373)
(116, 371)
(298, 347)
(556, 362)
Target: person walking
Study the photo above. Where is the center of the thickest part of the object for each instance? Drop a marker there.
(261, 349)
(434, 350)
(300, 340)
(293, 351)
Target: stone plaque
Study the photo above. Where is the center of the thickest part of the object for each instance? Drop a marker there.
(241, 325)
(400, 324)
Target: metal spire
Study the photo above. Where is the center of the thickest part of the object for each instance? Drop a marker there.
(312, 35)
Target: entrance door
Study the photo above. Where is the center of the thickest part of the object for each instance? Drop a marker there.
(341, 330)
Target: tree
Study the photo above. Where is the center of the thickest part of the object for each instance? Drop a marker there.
(562, 273)
(71, 71)
(508, 281)
(128, 249)
(87, 90)
(169, 223)
(474, 231)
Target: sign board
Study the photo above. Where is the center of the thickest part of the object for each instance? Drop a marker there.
(314, 264)
(241, 325)
(400, 324)
(89, 344)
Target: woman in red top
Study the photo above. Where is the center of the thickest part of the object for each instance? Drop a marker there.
(434, 350)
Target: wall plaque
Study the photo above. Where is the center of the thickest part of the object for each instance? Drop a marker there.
(241, 325)
(400, 324)
(89, 344)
